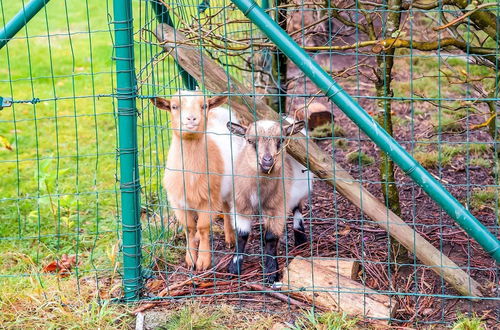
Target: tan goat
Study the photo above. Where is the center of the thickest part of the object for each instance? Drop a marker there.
(269, 184)
(198, 174)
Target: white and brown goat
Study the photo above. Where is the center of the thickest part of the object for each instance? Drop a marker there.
(269, 184)
(198, 174)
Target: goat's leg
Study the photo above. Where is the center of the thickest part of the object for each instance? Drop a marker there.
(273, 230)
(298, 227)
(187, 218)
(229, 234)
(204, 254)
(242, 225)
(270, 252)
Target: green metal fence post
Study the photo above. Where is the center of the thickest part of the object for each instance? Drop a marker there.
(20, 20)
(371, 128)
(127, 122)
(163, 16)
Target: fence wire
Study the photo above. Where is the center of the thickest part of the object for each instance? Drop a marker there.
(426, 72)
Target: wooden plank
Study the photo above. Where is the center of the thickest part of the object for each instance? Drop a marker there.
(248, 108)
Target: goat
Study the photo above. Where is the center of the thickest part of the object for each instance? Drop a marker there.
(199, 167)
(270, 184)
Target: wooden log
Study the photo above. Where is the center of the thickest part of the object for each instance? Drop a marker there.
(248, 108)
(346, 267)
(332, 291)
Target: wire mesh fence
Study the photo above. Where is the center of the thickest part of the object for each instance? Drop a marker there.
(59, 197)
(427, 73)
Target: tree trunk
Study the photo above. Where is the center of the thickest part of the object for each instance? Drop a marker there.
(493, 130)
(385, 62)
(279, 65)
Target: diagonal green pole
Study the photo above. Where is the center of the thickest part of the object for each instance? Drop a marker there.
(371, 128)
(127, 126)
(20, 20)
(163, 16)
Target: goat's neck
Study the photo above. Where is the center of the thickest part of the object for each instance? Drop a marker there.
(192, 148)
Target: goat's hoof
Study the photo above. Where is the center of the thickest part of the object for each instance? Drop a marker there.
(190, 260)
(271, 278)
(235, 266)
(271, 273)
(230, 241)
(203, 262)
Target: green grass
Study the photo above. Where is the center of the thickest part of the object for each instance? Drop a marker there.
(430, 157)
(325, 131)
(341, 143)
(194, 315)
(26, 303)
(484, 197)
(195, 318)
(482, 162)
(60, 192)
(330, 320)
(445, 123)
(359, 157)
(468, 323)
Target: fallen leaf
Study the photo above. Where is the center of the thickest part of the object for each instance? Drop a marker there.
(155, 285)
(64, 272)
(62, 266)
(52, 267)
(5, 143)
(345, 231)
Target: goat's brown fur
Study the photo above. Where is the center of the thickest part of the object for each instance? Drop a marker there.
(272, 190)
(273, 187)
(265, 187)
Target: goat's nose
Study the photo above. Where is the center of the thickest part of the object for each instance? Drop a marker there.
(266, 163)
(267, 158)
(191, 118)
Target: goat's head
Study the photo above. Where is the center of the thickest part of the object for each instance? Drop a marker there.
(265, 140)
(188, 111)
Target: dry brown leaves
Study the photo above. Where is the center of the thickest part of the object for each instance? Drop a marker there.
(61, 266)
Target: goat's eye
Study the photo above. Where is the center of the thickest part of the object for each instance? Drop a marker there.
(204, 106)
(252, 142)
(174, 107)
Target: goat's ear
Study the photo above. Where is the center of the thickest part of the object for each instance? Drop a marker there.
(216, 101)
(161, 103)
(294, 128)
(236, 129)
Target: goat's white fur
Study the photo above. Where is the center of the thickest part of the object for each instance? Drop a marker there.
(229, 147)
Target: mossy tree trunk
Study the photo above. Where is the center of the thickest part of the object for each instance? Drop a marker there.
(279, 64)
(385, 62)
(493, 131)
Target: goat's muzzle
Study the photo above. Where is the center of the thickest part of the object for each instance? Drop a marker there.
(266, 163)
